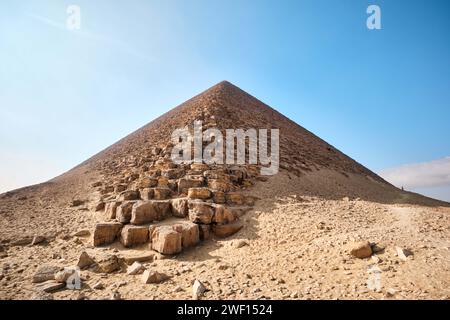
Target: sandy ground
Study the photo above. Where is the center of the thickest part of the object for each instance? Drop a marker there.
(296, 247)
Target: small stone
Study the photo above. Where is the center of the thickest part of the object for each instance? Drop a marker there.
(63, 275)
(390, 292)
(37, 239)
(403, 254)
(98, 286)
(135, 268)
(198, 289)
(45, 273)
(82, 233)
(153, 277)
(240, 243)
(116, 296)
(84, 260)
(50, 286)
(361, 250)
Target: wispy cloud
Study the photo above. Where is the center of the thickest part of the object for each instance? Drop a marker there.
(420, 175)
(98, 38)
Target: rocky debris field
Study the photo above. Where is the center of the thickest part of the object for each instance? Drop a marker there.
(290, 247)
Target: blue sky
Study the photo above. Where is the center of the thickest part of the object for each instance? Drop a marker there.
(380, 96)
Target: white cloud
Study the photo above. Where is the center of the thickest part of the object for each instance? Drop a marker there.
(420, 175)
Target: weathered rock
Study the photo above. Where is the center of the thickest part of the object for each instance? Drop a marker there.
(63, 275)
(107, 263)
(135, 268)
(139, 257)
(147, 194)
(199, 166)
(106, 232)
(154, 277)
(204, 231)
(198, 289)
(199, 193)
(223, 215)
(189, 182)
(37, 240)
(22, 241)
(82, 233)
(148, 182)
(76, 203)
(173, 173)
(98, 286)
(128, 195)
(120, 188)
(180, 207)
(403, 254)
(99, 206)
(361, 250)
(148, 211)
(190, 234)
(123, 212)
(220, 185)
(45, 273)
(235, 198)
(110, 209)
(161, 193)
(50, 286)
(201, 212)
(85, 260)
(165, 240)
(219, 197)
(240, 243)
(226, 230)
(133, 235)
(163, 182)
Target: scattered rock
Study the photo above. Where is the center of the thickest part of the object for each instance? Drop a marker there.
(107, 263)
(153, 277)
(116, 296)
(37, 240)
(403, 254)
(50, 286)
(76, 203)
(361, 250)
(198, 289)
(135, 268)
(140, 257)
(63, 275)
(84, 260)
(98, 286)
(240, 243)
(390, 292)
(45, 273)
(82, 233)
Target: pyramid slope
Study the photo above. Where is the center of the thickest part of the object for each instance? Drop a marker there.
(225, 106)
